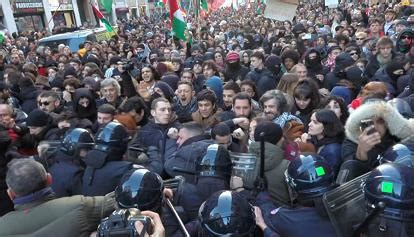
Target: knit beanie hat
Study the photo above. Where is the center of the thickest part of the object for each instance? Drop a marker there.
(37, 118)
(232, 56)
(272, 132)
(166, 89)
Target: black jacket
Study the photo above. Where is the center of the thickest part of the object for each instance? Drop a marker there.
(263, 79)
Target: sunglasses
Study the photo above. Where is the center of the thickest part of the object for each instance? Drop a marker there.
(352, 54)
(45, 103)
(360, 38)
(403, 37)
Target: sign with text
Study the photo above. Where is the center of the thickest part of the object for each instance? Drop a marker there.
(27, 6)
(281, 10)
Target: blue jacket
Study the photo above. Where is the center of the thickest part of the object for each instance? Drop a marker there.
(66, 174)
(102, 176)
(294, 222)
(155, 135)
(332, 154)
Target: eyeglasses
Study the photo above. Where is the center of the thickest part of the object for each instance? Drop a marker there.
(354, 53)
(45, 103)
(360, 38)
(403, 37)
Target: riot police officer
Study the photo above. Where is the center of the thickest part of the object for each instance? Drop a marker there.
(144, 189)
(308, 177)
(213, 174)
(225, 213)
(67, 165)
(104, 164)
(399, 153)
(389, 196)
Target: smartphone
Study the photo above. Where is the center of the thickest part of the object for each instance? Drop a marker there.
(366, 123)
(307, 36)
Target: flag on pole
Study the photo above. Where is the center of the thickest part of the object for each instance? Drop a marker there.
(177, 20)
(107, 4)
(102, 19)
(204, 5)
(2, 37)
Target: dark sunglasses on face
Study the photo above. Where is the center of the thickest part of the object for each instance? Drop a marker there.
(360, 38)
(45, 103)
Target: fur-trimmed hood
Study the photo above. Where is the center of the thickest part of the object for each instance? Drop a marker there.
(397, 125)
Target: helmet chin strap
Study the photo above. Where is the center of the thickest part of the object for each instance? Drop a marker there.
(361, 228)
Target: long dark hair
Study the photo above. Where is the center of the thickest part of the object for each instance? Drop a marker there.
(307, 90)
(332, 126)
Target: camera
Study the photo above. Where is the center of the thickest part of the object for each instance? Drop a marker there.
(121, 223)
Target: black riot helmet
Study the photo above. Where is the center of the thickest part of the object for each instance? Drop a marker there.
(113, 136)
(399, 153)
(75, 140)
(140, 188)
(310, 176)
(226, 213)
(215, 163)
(393, 185)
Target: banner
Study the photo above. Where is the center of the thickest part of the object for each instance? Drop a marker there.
(281, 10)
(331, 3)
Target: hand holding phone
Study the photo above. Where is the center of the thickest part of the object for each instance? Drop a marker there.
(367, 124)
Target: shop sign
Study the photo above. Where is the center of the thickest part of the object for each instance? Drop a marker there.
(60, 5)
(27, 6)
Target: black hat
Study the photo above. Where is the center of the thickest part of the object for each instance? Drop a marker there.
(198, 60)
(272, 132)
(114, 60)
(343, 61)
(70, 71)
(37, 118)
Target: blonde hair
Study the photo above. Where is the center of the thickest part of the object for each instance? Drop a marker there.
(288, 83)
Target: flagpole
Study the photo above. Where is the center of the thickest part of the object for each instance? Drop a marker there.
(54, 14)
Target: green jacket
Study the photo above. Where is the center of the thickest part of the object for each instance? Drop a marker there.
(275, 167)
(63, 217)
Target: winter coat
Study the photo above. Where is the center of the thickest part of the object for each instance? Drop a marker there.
(275, 167)
(65, 217)
(184, 112)
(398, 127)
(263, 79)
(155, 135)
(67, 175)
(206, 123)
(28, 98)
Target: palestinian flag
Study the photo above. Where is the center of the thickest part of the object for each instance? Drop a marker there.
(177, 20)
(204, 5)
(102, 19)
(2, 37)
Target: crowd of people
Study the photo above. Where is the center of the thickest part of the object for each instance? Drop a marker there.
(330, 94)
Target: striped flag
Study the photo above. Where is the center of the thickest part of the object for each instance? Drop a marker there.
(102, 19)
(177, 20)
